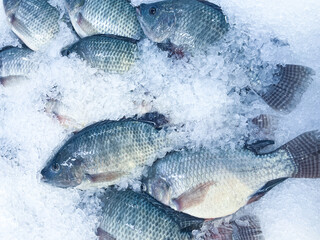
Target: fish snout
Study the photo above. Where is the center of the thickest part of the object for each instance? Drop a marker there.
(43, 176)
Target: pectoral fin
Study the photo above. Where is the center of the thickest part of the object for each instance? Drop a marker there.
(104, 177)
(85, 25)
(193, 196)
(104, 235)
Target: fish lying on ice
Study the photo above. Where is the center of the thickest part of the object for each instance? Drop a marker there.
(104, 153)
(35, 22)
(190, 24)
(110, 53)
(91, 17)
(211, 184)
(129, 215)
(15, 64)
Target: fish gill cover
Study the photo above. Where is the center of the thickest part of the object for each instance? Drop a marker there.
(193, 92)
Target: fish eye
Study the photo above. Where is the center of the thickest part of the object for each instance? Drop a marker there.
(152, 11)
(55, 167)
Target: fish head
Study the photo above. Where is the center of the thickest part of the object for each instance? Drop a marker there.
(157, 187)
(157, 20)
(63, 169)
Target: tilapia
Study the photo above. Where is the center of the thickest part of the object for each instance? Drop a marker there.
(91, 17)
(190, 24)
(15, 64)
(35, 22)
(104, 153)
(129, 215)
(110, 53)
(209, 184)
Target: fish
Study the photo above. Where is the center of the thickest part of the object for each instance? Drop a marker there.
(15, 64)
(110, 53)
(130, 215)
(211, 183)
(116, 17)
(35, 22)
(105, 153)
(187, 24)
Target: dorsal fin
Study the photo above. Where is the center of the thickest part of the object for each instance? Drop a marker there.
(126, 39)
(257, 146)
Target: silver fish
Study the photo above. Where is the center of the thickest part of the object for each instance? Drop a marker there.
(91, 17)
(104, 153)
(190, 24)
(35, 22)
(110, 53)
(211, 184)
(15, 64)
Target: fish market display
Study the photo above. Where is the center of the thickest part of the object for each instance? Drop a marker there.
(110, 53)
(103, 153)
(214, 184)
(35, 22)
(190, 24)
(91, 17)
(15, 64)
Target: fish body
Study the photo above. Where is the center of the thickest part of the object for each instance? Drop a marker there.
(211, 184)
(104, 153)
(190, 24)
(91, 17)
(128, 215)
(110, 53)
(35, 22)
(15, 64)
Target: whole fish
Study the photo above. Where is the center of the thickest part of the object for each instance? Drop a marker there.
(15, 64)
(128, 215)
(35, 22)
(211, 184)
(91, 17)
(110, 53)
(104, 153)
(190, 24)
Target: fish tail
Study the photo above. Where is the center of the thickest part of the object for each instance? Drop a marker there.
(246, 227)
(286, 94)
(305, 152)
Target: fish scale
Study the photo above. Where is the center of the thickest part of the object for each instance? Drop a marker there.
(112, 54)
(115, 17)
(34, 22)
(16, 61)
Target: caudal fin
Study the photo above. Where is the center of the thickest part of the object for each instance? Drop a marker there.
(245, 227)
(293, 80)
(305, 151)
